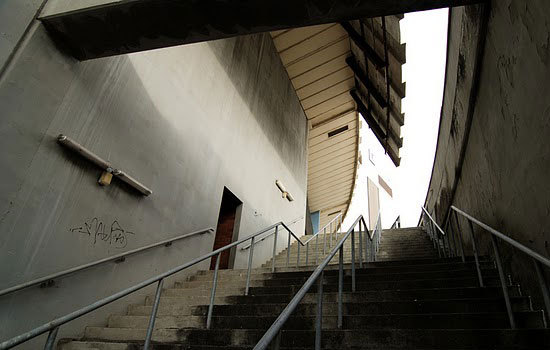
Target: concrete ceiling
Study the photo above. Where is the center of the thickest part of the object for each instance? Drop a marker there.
(315, 60)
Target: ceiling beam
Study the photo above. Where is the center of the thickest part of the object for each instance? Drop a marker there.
(364, 79)
(375, 127)
(363, 45)
(130, 26)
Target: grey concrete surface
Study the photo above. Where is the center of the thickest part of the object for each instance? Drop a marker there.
(184, 121)
(503, 180)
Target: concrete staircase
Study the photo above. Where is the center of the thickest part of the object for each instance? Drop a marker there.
(411, 300)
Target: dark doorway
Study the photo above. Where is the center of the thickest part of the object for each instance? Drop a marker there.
(226, 230)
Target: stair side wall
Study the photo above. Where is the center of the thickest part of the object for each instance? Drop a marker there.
(185, 121)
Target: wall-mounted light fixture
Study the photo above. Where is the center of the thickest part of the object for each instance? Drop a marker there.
(285, 193)
(108, 169)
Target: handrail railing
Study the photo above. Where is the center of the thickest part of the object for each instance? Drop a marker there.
(273, 333)
(53, 326)
(271, 233)
(455, 245)
(117, 258)
(538, 260)
(337, 219)
(396, 223)
(440, 239)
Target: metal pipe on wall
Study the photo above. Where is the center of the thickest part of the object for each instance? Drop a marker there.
(74, 146)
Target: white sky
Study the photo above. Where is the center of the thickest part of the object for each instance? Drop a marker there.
(425, 34)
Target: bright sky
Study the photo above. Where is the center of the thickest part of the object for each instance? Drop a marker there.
(425, 34)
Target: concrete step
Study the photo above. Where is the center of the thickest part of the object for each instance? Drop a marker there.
(379, 295)
(363, 285)
(370, 268)
(93, 345)
(289, 279)
(524, 319)
(471, 305)
(338, 339)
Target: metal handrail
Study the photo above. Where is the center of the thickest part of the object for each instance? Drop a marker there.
(53, 326)
(396, 223)
(441, 240)
(325, 227)
(271, 233)
(273, 333)
(118, 257)
(538, 260)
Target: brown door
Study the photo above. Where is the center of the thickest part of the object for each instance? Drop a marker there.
(226, 226)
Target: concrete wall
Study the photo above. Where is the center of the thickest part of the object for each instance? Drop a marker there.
(498, 169)
(185, 121)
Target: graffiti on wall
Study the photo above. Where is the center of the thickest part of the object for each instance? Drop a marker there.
(98, 231)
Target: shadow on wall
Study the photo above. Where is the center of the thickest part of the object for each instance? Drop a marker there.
(269, 95)
(47, 192)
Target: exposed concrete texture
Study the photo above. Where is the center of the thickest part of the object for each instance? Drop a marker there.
(184, 121)
(503, 177)
(138, 25)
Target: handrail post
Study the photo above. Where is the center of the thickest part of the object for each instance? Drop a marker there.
(474, 246)
(276, 343)
(452, 245)
(51, 339)
(436, 234)
(298, 258)
(288, 251)
(367, 238)
(319, 319)
(151, 325)
(360, 246)
(543, 286)
(503, 283)
(213, 293)
(316, 248)
(274, 248)
(330, 236)
(352, 260)
(340, 283)
(324, 241)
(250, 255)
(459, 238)
(307, 253)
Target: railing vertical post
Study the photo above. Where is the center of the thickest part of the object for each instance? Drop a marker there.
(436, 235)
(307, 253)
(474, 246)
(330, 236)
(274, 248)
(353, 260)
(449, 227)
(213, 293)
(503, 283)
(250, 255)
(298, 258)
(317, 249)
(340, 283)
(459, 238)
(51, 339)
(288, 250)
(324, 241)
(367, 238)
(543, 286)
(319, 319)
(276, 343)
(151, 326)
(360, 246)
